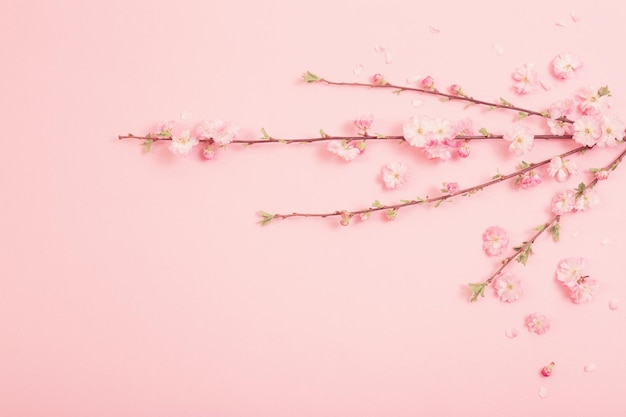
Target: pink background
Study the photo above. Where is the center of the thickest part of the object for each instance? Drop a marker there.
(141, 285)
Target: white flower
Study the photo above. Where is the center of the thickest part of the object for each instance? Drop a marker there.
(587, 130)
(395, 174)
(561, 169)
(587, 200)
(569, 271)
(346, 150)
(521, 139)
(584, 290)
(418, 130)
(182, 143)
(565, 64)
(612, 131)
(222, 133)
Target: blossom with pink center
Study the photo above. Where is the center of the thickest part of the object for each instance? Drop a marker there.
(559, 127)
(456, 90)
(569, 270)
(345, 218)
(395, 174)
(612, 131)
(428, 82)
(584, 289)
(221, 132)
(526, 80)
(602, 174)
(183, 143)
(589, 101)
(587, 200)
(528, 179)
(521, 139)
(464, 150)
(378, 79)
(442, 150)
(164, 129)
(347, 150)
(561, 169)
(362, 124)
(563, 202)
(537, 323)
(565, 64)
(209, 152)
(587, 130)
(443, 129)
(508, 287)
(495, 241)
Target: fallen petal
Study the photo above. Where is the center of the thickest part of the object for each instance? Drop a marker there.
(614, 304)
(574, 17)
(511, 333)
(543, 392)
(379, 48)
(416, 102)
(414, 79)
(186, 115)
(388, 57)
(590, 367)
(605, 242)
(433, 29)
(545, 85)
(561, 24)
(498, 48)
(357, 69)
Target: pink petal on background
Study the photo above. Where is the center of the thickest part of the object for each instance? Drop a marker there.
(561, 24)
(574, 17)
(605, 242)
(543, 392)
(545, 85)
(357, 69)
(433, 29)
(416, 102)
(614, 304)
(498, 48)
(388, 57)
(590, 367)
(414, 79)
(511, 333)
(379, 48)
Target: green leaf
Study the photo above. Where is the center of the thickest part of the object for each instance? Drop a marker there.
(477, 290)
(491, 108)
(361, 145)
(391, 214)
(521, 115)
(264, 132)
(377, 204)
(555, 231)
(580, 190)
(266, 218)
(545, 113)
(483, 131)
(438, 203)
(323, 134)
(525, 254)
(524, 165)
(604, 91)
(406, 201)
(398, 91)
(309, 77)
(498, 175)
(615, 165)
(147, 145)
(505, 102)
(541, 228)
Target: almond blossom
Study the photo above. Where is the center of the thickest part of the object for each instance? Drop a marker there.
(345, 149)
(590, 100)
(221, 132)
(525, 79)
(587, 130)
(164, 129)
(561, 169)
(183, 143)
(584, 290)
(521, 139)
(362, 124)
(395, 174)
(569, 270)
(612, 131)
(563, 202)
(495, 241)
(586, 200)
(528, 179)
(508, 287)
(537, 323)
(565, 64)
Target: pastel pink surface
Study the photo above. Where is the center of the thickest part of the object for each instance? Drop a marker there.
(136, 285)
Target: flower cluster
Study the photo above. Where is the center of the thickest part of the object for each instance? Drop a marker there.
(582, 198)
(569, 272)
(437, 137)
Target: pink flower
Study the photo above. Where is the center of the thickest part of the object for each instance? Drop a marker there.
(452, 187)
(528, 179)
(456, 90)
(209, 152)
(561, 108)
(508, 287)
(587, 130)
(345, 218)
(559, 127)
(537, 323)
(521, 139)
(602, 174)
(464, 127)
(464, 150)
(587, 200)
(612, 131)
(221, 132)
(347, 150)
(395, 174)
(525, 79)
(589, 101)
(569, 271)
(378, 79)
(495, 241)
(561, 169)
(417, 131)
(584, 289)
(182, 144)
(547, 370)
(164, 129)
(428, 82)
(362, 124)
(565, 64)
(563, 202)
